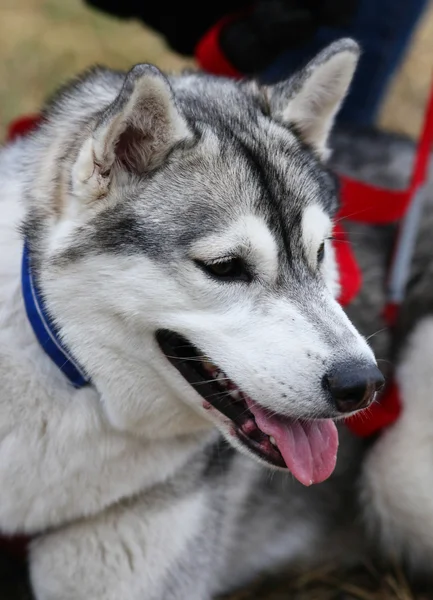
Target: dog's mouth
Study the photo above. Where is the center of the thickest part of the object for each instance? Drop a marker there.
(308, 449)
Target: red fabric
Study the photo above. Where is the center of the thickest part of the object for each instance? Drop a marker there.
(370, 204)
(424, 148)
(23, 126)
(209, 54)
(366, 203)
(381, 414)
(350, 273)
(390, 313)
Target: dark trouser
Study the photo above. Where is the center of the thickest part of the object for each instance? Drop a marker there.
(383, 28)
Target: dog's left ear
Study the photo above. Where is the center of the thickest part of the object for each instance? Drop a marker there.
(312, 97)
(134, 133)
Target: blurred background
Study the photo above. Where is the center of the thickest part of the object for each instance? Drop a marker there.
(44, 42)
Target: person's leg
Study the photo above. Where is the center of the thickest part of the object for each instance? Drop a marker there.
(383, 28)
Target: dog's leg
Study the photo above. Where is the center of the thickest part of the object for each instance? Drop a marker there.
(398, 473)
(150, 549)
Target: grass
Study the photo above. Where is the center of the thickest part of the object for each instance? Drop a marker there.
(366, 583)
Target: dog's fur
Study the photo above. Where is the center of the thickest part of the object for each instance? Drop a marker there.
(129, 484)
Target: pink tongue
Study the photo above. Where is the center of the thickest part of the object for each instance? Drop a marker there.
(309, 449)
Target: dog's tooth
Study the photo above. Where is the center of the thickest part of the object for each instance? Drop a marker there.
(208, 365)
(222, 379)
(235, 394)
(272, 440)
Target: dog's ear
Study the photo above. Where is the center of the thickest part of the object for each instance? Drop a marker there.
(311, 98)
(134, 133)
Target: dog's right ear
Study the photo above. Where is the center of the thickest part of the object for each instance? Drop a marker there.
(311, 98)
(134, 133)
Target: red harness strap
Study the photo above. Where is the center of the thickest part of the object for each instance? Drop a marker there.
(378, 206)
(208, 51)
(379, 415)
(349, 272)
(366, 203)
(22, 126)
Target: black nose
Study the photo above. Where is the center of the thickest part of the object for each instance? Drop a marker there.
(353, 387)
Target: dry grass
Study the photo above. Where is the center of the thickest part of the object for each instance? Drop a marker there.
(44, 42)
(367, 583)
(403, 109)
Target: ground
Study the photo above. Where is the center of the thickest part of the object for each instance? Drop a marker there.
(369, 583)
(43, 43)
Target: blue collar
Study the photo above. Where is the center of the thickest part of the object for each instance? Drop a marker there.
(44, 328)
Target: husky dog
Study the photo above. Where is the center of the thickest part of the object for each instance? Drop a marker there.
(178, 232)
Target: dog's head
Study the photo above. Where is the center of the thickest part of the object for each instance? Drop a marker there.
(185, 254)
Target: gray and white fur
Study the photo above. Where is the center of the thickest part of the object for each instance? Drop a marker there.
(133, 487)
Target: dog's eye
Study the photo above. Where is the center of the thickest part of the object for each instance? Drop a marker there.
(231, 269)
(321, 252)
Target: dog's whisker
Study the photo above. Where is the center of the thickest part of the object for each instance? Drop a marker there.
(385, 360)
(376, 333)
(222, 393)
(212, 381)
(348, 217)
(188, 358)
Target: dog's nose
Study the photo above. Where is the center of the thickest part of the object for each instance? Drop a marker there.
(353, 388)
